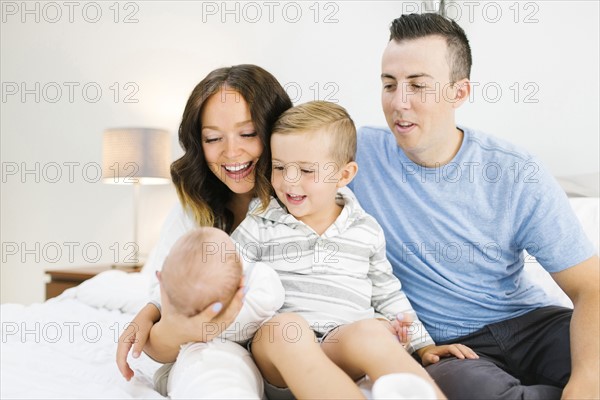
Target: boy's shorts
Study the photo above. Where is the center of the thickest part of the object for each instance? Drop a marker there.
(273, 392)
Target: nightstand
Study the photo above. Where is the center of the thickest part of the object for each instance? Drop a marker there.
(63, 279)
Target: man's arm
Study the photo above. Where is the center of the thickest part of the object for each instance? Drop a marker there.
(581, 284)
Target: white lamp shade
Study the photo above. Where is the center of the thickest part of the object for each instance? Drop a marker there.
(136, 155)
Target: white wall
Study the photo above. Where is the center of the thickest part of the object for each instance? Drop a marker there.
(169, 47)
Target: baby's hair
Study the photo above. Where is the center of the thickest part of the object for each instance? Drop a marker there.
(322, 116)
(202, 268)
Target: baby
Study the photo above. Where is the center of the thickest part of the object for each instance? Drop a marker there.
(202, 268)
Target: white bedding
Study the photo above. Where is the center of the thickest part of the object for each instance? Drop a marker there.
(65, 347)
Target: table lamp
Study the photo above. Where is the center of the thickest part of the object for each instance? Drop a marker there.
(138, 156)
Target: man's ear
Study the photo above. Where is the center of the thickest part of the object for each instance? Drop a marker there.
(348, 173)
(462, 92)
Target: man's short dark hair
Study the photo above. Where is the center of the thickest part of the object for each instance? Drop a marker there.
(415, 26)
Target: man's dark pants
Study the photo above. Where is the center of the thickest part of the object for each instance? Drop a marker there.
(527, 357)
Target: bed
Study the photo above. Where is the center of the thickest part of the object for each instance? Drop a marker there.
(65, 347)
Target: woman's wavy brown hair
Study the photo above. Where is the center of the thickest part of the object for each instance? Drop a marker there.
(199, 190)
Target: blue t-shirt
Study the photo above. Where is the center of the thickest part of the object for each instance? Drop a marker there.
(456, 233)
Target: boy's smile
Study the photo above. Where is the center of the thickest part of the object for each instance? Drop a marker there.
(295, 199)
(305, 177)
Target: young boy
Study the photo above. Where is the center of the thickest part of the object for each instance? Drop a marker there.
(330, 256)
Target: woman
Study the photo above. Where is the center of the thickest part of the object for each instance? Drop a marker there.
(224, 133)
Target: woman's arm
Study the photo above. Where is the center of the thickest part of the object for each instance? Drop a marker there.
(135, 336)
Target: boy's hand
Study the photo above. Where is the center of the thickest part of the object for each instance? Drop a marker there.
(402, 326)
(431, 354)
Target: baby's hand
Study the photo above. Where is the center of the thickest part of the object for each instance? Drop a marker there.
(431, 354)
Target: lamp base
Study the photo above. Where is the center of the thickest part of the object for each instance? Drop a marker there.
(127, 266)
(141, 260)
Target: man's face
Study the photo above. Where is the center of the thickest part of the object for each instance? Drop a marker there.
(418, 98)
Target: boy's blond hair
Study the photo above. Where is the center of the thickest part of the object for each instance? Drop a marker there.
(326, 117)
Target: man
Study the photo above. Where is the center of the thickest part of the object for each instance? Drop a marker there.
(458, 208)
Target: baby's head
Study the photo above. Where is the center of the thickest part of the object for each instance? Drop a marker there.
(202, 268)
(313, 146)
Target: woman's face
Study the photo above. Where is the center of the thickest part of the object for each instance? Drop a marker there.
(230, 142)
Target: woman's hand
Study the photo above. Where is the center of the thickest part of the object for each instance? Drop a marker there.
(202, 327)
(135, 336)
(175, 329)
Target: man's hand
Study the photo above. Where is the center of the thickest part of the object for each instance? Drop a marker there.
(431, 354)
(581, 283)
(581, 387)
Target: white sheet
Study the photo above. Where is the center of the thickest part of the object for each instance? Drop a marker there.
(64, 348)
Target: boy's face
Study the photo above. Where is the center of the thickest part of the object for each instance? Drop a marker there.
(305, 176)
(418, 98)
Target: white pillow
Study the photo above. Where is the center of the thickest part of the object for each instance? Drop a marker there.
(581, 185)
(587, 210)
(114, 290)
